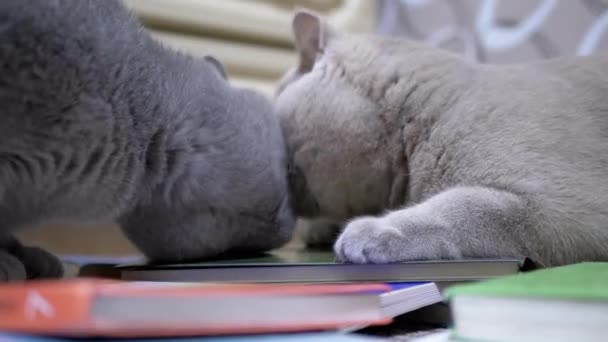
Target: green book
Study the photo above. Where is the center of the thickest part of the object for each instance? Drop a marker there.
(567, 303)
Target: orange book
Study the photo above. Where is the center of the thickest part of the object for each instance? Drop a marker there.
(86, 308)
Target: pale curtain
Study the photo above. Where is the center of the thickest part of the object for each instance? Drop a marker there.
(251, 37)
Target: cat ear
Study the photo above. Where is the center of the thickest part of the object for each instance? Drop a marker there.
(217, 64)
(310, 35)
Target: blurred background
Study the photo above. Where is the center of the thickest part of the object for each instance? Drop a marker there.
(253, 39)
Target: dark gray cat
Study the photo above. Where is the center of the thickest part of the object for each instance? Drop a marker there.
(101, 123)
(471, 160)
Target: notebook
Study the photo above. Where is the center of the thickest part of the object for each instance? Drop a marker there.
(568, 303)
(86, 307)
(301, 266)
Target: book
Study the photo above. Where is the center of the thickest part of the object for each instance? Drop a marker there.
(294, 337)
(441, 336)
(95, 307)
(407, 297)
(96, 266)
(305, 266)
(567, 303)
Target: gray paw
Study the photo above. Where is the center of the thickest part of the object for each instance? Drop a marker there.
(11, 269)
(377, 240)
(40, 263)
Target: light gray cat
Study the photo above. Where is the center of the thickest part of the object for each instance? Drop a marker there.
(102, 123)
(469, 160)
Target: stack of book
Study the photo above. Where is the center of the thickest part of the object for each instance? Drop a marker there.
(284, 295)
(567, 303)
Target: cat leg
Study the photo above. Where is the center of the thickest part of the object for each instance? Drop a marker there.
(459, 222)
(11, 269)
(39, 263)
(19, 262)
(318, 232)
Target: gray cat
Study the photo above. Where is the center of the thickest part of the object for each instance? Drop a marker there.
(101, 123)
(426, 156)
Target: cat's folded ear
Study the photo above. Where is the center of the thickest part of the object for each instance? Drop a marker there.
(217, 65)
(311, 36)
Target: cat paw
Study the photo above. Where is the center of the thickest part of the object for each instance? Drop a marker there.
(40, 263)
(11, 269)
(378, 241)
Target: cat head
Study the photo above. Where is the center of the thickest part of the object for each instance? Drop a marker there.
(227, 174)
(340, 139)
(246, 187)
